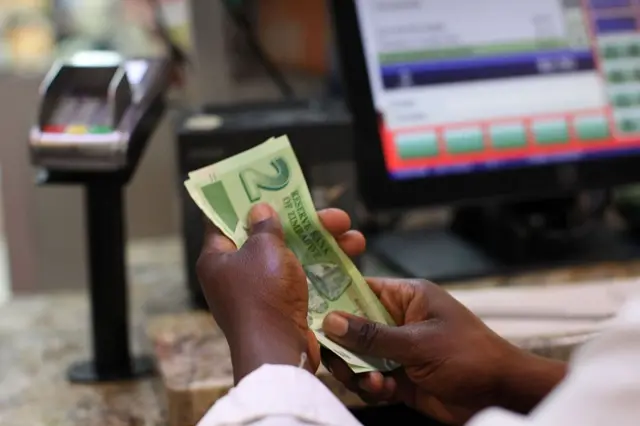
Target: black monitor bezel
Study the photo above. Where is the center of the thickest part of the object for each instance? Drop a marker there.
(380, 192)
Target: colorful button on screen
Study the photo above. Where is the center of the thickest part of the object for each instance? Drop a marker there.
(508, 136)
(594, 128)
(417, 145)
(464, 141)
(551, 132)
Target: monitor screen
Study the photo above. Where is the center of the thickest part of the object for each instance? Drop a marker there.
(470, 86)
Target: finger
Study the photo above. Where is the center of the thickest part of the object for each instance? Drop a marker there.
(382, 389)
(389, 389)
(352, 243)
(377, 285)
(313, 350)
(372, 383)
(263, 219)
(215, 242)
(405, 389)
(340, 370)
(374, 388)
(372, 339)
(335, 221)
(369, 382)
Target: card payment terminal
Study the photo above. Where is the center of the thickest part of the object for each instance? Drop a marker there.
(93, 110)
(97, 113)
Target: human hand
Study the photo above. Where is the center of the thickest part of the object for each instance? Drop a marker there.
(453, 364)
(259, 295)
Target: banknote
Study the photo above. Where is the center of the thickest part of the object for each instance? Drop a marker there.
(270, 173)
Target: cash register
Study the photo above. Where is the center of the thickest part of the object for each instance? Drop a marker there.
(97, 113)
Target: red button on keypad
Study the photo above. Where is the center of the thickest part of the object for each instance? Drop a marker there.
(50, 128)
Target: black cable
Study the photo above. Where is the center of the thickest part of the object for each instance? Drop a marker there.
(244, 25)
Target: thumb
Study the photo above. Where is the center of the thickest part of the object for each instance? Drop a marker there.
(263, 219)
(372, 339)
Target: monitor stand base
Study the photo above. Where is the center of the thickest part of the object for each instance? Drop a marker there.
(481, 244)
(437, 255)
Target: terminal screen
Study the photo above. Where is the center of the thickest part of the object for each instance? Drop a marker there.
(463, 86)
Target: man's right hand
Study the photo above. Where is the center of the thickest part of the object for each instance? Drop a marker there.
(453, 364)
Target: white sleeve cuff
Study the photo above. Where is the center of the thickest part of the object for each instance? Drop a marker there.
(279, 391)
(497, 417)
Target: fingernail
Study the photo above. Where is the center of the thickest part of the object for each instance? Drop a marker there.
(260, 213)
(335, 325)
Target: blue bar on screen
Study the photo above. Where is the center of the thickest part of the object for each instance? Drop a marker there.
(606, 4)
(394, 80)
(615, 25)
(482, 62)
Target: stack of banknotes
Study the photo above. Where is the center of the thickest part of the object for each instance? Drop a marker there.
(270, 173)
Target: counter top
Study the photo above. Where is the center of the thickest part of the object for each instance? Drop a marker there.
(41, 335)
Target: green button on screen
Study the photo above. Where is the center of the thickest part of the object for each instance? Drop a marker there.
(418, 145)
(615, 51)
(508, 136)
(617, 76)
(610, 52)
(592, 128)
(633, 50)
(629, 125)
(100, 130)
(464, 140)
(623, 100)
(551, 132)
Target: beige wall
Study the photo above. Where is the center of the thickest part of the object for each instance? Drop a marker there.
(4, 255)
(46, 225)
(17, 97)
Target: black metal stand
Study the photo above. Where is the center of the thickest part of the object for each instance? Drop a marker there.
(108, 291)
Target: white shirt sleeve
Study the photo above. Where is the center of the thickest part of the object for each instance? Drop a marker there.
(602, 387)
(278, 395)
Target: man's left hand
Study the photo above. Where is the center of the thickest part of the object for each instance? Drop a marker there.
(258, 294)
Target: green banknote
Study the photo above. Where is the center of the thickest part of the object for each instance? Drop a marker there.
(270, 173)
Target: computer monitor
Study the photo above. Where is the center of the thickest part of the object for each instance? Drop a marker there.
(463, 100)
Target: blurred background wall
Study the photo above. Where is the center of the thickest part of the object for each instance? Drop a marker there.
(45, 226)
(4, 255)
